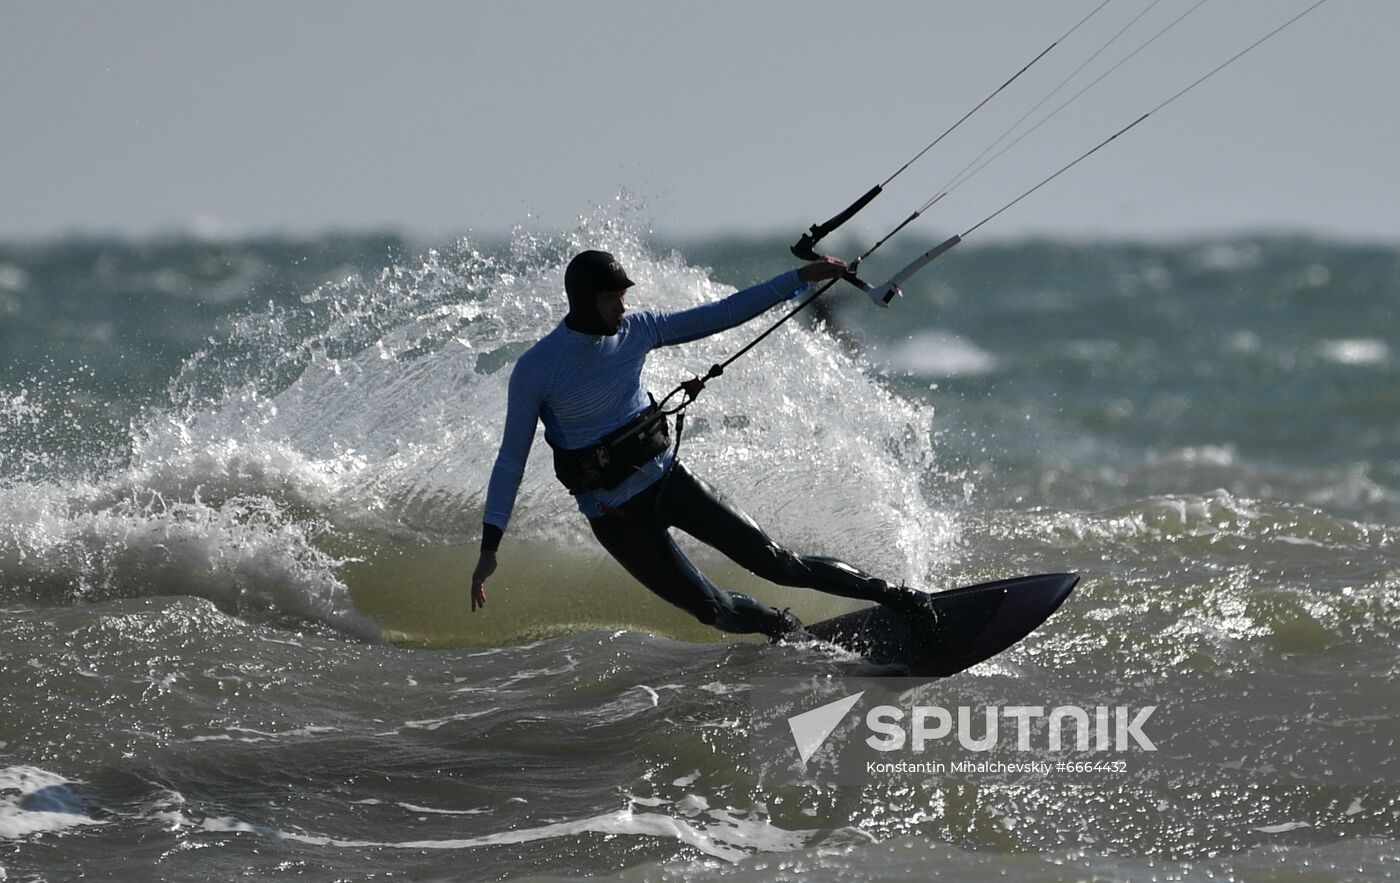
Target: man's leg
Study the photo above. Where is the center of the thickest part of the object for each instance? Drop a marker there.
(642, 545)
(698, 509)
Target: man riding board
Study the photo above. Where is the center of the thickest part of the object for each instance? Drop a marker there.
(611, 450)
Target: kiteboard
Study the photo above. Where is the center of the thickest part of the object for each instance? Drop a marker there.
(961, 628)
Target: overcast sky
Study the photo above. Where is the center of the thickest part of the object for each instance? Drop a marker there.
(444, 117)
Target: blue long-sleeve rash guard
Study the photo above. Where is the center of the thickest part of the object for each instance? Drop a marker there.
(583, 386)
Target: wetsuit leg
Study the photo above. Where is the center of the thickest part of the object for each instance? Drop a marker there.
(642, 544)
(698, 509)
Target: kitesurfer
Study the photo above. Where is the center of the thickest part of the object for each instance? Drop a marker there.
(611, 450)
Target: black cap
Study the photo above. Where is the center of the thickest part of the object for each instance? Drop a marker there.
(591, 272)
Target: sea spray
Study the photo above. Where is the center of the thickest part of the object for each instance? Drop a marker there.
(359, 424)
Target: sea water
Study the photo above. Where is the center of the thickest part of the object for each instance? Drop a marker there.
(241, 486)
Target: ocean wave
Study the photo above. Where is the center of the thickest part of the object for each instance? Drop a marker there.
(34, 801)
(1205, 580)
(74, 543)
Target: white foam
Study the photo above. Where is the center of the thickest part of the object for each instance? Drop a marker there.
(1204, 455)
(1355, 351)
(938, 354)
(45, 803)
(1229, 257)
(411, 807)
(1244, 342)
(437, 723)
(722, 833)
(1283, 827)
(246, 553)
(13, 279)
(423, 406)
(244, 734)
(726, 836)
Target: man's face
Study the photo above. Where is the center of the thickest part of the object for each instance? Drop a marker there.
(611, 308)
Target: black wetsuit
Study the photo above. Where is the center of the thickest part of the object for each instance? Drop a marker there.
(638, 535)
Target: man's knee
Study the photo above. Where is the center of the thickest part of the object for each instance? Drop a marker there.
(777, 564)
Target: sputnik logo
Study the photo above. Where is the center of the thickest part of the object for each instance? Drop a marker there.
(810, 729)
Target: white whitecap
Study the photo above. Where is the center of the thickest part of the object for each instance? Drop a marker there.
(1229, 257)
(1355, 351)
(12, 278)
(1283, 827)
(938, 354)
(36, 801)
(723, 834)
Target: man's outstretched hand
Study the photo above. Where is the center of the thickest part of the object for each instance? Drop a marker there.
(822, 270)
(485, 566)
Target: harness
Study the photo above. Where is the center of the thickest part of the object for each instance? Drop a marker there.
(617, 456)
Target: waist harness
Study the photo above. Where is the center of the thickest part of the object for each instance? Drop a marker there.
(616, 456)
